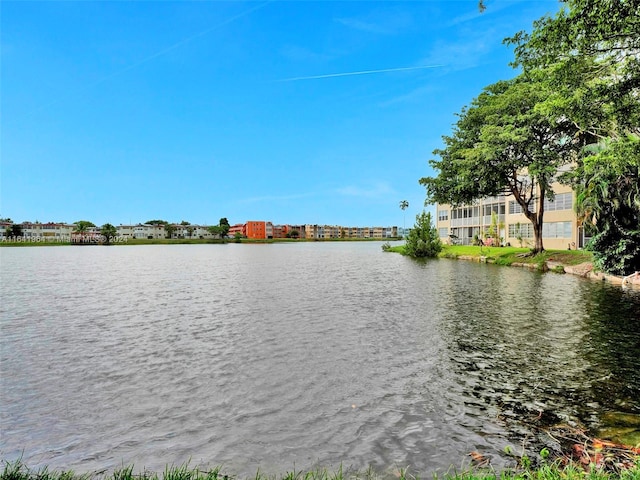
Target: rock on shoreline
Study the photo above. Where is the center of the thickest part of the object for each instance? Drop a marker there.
(584, 270)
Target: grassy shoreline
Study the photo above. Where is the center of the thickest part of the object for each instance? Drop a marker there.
(574, 262)
(17, 470)
(511, 255)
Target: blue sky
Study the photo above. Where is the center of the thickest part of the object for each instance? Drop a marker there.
(125, 111)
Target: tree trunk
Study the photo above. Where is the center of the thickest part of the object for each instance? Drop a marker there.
(537, 235)
(534, 218)
(537, 221)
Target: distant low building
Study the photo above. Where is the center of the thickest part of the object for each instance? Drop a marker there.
(191, 231)
(4, 226)
(238, 228)
(253, 229)
(147, 231)
(256, 229)
(47, 231)
(125, 231)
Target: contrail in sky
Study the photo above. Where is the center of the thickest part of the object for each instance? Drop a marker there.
(185, 40)
(363, 72)
(159, 53)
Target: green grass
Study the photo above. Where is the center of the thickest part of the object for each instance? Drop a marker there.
(510, 255)
(564, 257)
(171, 241)
(455, 251)
(554, 471)
(568, 257)
(34, 244)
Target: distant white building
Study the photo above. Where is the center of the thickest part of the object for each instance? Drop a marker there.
(191, 231)
(403, 232)
(125, 231)
(47, 231)
(68, 232)
(201, 231)
(149, 232)
(4, 226)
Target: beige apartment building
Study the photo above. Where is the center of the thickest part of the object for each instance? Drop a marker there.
(250, 229)
(560, 231)
(335, 231)
(48, 230)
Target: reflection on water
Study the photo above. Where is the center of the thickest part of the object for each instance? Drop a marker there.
(545, 348)
(273, 355)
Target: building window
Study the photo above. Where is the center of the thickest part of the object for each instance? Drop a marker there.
(557, 230)
(497, 208)
(524, 230)
(562, 201)
(443, 215)
(443, 232)
(514, 208)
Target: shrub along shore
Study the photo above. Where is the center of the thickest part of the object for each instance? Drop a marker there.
(551, 471)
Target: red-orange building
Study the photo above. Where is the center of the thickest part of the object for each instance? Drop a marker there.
(279, 231)
(238, 228)
(284, 231)
(266, 230)
(254, 229)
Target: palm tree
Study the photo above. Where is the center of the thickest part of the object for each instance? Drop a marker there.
(403, 206)
(82, 226)
(81, 229)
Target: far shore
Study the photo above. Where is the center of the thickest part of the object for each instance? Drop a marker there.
(574, 262)
(185, 241)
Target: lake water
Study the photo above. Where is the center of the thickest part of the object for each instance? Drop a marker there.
(306, 354)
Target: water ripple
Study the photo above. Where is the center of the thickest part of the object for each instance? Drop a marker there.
(270, 356)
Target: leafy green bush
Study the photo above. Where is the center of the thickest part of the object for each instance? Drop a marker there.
(423, 240)
(608, 201)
